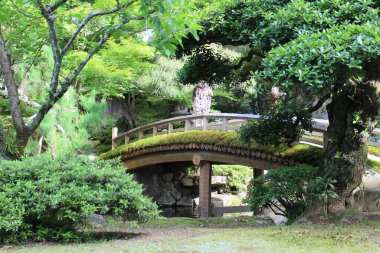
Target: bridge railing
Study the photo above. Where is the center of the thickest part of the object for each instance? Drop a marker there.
(220, 121)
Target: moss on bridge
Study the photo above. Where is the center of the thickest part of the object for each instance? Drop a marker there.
(301, 153)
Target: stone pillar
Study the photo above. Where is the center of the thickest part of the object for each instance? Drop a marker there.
(205, 189)
(202, 96)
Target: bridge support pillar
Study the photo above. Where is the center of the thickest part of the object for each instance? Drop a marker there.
(257, 172)
(205, 188)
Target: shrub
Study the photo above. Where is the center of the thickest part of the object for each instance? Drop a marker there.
(275, 128)
(238, 176)
(289, 191)
(47, 199)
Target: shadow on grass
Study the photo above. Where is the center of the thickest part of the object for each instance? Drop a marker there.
(104, 236)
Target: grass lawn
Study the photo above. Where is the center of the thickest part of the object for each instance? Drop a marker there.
(234, 234)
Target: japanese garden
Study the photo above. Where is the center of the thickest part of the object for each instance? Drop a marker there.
(189, 126)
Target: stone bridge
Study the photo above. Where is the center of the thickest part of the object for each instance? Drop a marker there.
(179, 142)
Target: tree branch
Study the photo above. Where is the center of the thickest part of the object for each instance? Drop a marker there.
(88, 18)
(52, 8)
(249, 57)
(68, 81)
(22, 12)
(319, 103)
(49, 16)
(34, 58)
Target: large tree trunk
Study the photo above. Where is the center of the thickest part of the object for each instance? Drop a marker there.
(352, 116)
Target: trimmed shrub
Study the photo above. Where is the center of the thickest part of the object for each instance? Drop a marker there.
(48, 199)
(289, 191)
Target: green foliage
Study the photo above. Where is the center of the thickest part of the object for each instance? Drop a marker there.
(162, 83)
(238, 176)
(289, 191)
(114, 71)
(301, 152)
(207, 63)
(46, 199)
(275, 128)
(321, 191)
(26, 110)
(65, 129)
(344, 49)
(310, 49)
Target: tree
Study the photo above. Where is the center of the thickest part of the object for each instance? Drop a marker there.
(314, 51)
(38, 21)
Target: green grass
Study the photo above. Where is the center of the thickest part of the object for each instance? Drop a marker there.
(374, 150)
(371, 149)
(312, 137)
(234, 234)
(375, 165)
(300, 152)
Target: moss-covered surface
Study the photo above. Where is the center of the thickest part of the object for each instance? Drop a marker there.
(300, 152)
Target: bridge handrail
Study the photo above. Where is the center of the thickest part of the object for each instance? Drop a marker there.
(319, 125)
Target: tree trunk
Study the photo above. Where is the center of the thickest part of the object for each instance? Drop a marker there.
(352, 116)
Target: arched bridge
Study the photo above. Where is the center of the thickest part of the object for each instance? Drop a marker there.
(203, 140)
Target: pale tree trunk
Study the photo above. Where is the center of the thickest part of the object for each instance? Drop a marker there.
(202, 96)
(352, 116)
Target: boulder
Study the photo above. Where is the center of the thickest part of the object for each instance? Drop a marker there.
(218, 180)
(167, 177)
(96, 220)
(188, 181)
(166, 200)
(371, 180)
(196, 202)
(365, 200)
(178, 176)
(216, 202)
(175, 193)
(185, 201)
